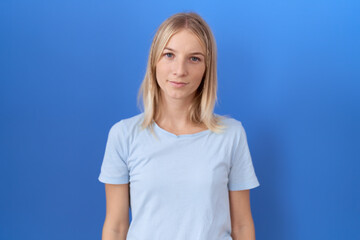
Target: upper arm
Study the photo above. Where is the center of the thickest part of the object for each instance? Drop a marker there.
(241, 173)
(117, 206)
(240, 210)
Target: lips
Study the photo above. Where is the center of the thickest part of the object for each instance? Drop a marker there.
(177, 84)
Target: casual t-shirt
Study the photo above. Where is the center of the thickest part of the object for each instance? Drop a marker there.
(179, 184)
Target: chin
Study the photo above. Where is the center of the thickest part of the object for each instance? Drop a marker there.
(176, 96)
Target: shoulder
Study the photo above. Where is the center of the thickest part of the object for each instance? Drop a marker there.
(128, 125)
(232, 125)
(131, 122)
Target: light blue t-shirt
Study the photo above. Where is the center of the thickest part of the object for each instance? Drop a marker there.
(178, 183)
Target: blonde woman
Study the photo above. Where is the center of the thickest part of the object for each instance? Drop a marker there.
(184, 171)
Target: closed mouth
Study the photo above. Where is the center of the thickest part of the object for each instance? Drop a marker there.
(177, 82)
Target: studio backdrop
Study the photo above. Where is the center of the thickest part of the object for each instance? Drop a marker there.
(288, 70)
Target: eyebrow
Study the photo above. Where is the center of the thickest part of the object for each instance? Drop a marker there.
(193, 53)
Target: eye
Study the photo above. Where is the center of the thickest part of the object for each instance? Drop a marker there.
(168, 54)
(195, 59)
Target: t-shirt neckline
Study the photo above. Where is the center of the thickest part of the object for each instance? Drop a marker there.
(170, 134)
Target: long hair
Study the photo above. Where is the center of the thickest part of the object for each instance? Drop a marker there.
(201, 109)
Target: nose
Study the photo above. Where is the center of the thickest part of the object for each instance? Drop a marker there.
(179, 68)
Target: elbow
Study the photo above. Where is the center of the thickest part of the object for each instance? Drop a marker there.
(243, 232)
(116, 226)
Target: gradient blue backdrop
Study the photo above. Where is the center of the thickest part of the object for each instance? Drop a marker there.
(289, 70)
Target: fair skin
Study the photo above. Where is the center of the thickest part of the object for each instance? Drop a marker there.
(183, 60)
(116, 223)
(242, 223)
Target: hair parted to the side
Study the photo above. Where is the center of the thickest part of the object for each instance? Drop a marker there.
(202, 107)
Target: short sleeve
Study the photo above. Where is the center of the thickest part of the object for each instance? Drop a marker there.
(242, 174)
(114, 169)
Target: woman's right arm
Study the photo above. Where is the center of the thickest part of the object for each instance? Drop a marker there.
(116, 223)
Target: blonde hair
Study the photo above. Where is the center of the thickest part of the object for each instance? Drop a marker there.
(202, 107)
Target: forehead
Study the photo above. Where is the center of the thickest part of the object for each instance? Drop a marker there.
(186, 41)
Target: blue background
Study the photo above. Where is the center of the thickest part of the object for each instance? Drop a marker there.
(288, 70)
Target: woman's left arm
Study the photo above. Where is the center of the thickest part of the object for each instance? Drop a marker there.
(242, 223)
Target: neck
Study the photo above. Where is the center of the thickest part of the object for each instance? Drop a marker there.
(174, 112)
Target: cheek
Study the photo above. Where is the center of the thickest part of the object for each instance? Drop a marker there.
(160, 71)
(200, 73)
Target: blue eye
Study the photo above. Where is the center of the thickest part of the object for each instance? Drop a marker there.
(196, 59)
(168, 54)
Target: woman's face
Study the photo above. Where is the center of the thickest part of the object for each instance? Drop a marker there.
(181, 66)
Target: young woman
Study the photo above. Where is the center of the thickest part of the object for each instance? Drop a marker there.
(184, 171)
